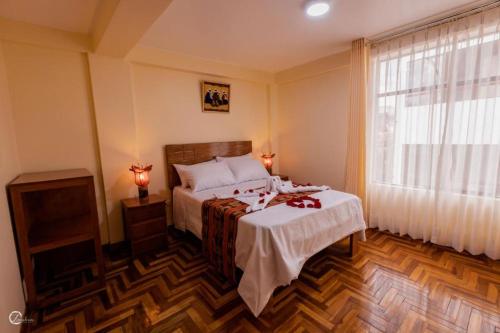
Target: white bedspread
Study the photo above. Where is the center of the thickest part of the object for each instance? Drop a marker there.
(273, 244)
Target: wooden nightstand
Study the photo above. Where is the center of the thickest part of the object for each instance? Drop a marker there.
(145, 224)
(283, 177)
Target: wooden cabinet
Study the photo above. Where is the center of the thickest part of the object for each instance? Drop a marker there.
(145, 224)
(57, 232)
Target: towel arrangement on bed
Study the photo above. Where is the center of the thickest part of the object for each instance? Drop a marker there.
(259, 198)
(276, 184)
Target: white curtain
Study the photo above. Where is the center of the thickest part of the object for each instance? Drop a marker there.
(434, 135)
(355, 179)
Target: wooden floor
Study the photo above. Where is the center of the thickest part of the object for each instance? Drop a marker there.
(393, 285)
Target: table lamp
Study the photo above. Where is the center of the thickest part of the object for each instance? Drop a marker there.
(268, 162)
(141, 177)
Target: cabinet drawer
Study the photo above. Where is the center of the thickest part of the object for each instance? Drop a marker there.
(140, 214)
(149, 244)
(147, 228)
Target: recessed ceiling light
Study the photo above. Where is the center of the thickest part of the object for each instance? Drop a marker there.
(317, 8)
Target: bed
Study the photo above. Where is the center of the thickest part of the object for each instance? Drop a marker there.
(272, 244)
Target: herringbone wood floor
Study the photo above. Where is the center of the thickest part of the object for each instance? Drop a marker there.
(393, 285)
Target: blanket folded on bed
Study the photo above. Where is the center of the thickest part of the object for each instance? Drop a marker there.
(278, 185)
(220, 226)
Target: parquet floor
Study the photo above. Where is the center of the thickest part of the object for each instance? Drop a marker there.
(393, 285)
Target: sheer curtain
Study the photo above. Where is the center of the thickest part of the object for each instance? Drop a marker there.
(434, 135)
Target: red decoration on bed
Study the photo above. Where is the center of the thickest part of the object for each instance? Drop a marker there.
(299, 202)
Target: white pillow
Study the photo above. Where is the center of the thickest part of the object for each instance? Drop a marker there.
(245, 168)
(232, 158)
(205, 176)
(181, 171)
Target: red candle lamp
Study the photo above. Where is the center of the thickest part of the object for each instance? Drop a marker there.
(268, 162)
(141, 177)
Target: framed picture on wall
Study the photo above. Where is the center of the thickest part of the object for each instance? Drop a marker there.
(216, 97)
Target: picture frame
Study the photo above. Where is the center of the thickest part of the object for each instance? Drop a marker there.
(215, 97)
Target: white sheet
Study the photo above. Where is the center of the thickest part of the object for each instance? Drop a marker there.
(273, 244)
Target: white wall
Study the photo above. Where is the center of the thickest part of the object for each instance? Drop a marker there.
(168, 111)
(113, 100)
(53, 112)
(10, 279)
(313, 104)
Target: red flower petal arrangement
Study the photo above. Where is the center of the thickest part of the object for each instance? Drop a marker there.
(299, 202)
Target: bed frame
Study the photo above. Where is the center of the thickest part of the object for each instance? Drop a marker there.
(192, 153)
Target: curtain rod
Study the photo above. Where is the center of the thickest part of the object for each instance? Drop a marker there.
(449, 18)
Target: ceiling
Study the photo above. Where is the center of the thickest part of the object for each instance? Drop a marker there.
(68, 15)
(272, 35)
(268, 35)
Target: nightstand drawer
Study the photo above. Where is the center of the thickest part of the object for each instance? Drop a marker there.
(140, 214)
(149, 244)
(147, 228)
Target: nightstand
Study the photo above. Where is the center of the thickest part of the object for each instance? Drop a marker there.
(283, 177)
(145, 224)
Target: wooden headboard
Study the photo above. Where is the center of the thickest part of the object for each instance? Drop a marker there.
(192, 153)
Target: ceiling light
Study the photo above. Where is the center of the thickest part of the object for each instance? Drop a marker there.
(317, 8)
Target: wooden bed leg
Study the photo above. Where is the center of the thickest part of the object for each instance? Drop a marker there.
(353, 244)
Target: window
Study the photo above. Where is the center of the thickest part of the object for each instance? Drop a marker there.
(436, 119)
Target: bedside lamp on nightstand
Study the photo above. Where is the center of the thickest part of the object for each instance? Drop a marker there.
(268, 162)
(141, 177)
(144, 217)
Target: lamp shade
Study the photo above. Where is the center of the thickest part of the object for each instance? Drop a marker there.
(141, 178)
(268, 161)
